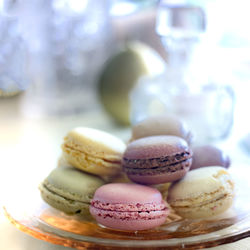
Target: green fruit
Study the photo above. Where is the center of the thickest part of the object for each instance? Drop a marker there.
(121, 73)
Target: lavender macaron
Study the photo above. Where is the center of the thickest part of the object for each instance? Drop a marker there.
(164, 124)
(157, 159)
(209, 155)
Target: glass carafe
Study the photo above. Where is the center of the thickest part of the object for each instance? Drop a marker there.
(192, 87)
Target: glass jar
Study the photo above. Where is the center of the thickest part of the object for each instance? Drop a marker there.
(194, 86)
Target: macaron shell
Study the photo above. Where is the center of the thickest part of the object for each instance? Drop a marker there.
(155, 147)
(127, 193)
(96, 143)
(164, 124)
(122, 178)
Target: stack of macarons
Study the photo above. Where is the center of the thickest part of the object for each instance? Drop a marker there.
(138, 185)
(160, 151)
(89, 158)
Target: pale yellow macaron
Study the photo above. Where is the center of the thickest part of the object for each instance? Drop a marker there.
(93, 151)
(202, 193)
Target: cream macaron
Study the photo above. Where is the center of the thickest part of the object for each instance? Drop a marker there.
(202, 193)
(70, 190)
(94, 151)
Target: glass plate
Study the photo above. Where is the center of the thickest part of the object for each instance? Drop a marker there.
(31, 215)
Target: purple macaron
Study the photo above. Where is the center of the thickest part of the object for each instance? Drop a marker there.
(157, 159)
(209, 155)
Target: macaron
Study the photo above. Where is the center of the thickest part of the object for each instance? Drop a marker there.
(93, 151)
(157, 159)
(165, 124)
(70, 190)
(208, 155)
(128, 206)
(202, 193)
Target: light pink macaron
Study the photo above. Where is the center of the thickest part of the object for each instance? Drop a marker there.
(128, 206)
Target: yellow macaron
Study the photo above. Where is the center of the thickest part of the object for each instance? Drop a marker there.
(94, 151)
(202, 193)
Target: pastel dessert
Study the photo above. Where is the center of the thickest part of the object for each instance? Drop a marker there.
(157, 159)
(164, 124)
(128, 206)
(208, 155)
(93, 151)
(70, 190)
(202, 193)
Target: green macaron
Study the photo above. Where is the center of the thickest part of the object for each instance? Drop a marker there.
(70, 190)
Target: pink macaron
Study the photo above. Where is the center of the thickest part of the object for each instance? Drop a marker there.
(157, 159)
(128, 206)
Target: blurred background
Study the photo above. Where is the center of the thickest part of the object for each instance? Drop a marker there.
(108, 64)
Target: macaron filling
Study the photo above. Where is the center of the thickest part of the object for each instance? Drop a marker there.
(152, 166)
(129, 211)
(64, 197)
(129, 207)
(204, 203)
